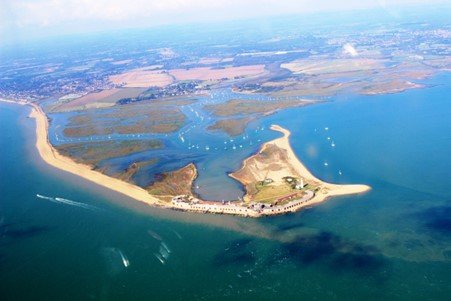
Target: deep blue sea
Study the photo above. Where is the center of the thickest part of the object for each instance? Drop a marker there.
(393, 243)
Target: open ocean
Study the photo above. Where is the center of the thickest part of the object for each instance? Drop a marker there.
(78, 241)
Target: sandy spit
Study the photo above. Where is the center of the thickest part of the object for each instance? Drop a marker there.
(52, 157)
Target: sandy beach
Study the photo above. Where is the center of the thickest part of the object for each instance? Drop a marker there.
(53, 158)
(327, 189)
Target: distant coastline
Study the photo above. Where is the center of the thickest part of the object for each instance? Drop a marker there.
(52, 157)
(17, 102)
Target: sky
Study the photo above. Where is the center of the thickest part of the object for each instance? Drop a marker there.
(26, 19)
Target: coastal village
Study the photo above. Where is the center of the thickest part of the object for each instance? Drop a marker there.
(295, 202)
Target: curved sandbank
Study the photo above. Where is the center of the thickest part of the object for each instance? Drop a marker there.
(326, 191)
(52, 157)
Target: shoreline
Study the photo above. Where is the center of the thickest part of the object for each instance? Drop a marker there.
(333, 190)
(19, 102)
(52, 157)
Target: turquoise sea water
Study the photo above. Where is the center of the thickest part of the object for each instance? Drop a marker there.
(393, 243)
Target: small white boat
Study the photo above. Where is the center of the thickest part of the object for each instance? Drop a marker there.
(154, 235)
(125, 261)
(165, 246)
(158, 256)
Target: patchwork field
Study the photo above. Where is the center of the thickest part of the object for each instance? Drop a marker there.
(207, 73)
(122, 62)
(310, 88)
(102, 99)
(390, 86)
(149, 77)
(209, 60)
(322, 66)
(356, 75)
(142, 78)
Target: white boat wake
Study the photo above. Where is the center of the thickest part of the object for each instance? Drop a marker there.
(45, 197)
(125, 260)
(68, 202)
(115, 259)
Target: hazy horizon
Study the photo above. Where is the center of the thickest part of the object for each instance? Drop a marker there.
(22, 21)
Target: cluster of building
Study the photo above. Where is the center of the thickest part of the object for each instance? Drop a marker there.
(295, 183)
(45, 86)
(190, 203)
(176, 89)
